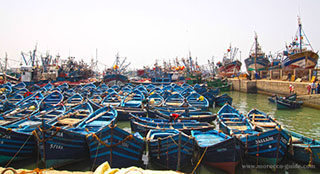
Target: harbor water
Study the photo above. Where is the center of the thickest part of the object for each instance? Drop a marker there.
(305, 121)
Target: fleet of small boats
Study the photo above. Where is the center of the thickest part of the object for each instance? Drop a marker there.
(65, 124)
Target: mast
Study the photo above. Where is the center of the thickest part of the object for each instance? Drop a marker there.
(5, 63)
(256, 52)
(300, 32)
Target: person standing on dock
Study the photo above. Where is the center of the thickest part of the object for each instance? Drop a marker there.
(313, 87)
(291, 89)
(309, 88)
(318, 88)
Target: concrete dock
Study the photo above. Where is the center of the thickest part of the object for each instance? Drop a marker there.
(270, 87)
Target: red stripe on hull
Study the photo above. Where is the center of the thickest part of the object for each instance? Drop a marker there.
(229, 167)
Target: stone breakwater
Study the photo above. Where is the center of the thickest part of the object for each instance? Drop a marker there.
(270, 87)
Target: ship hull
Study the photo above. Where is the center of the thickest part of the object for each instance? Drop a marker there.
(230, 69)
(261, 64)
(303, 60)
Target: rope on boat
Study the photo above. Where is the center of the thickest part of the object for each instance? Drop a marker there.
(36, 170)
(204, 152)
(257, 154)
(129, 137)
(291, 151)
(45, 139)
(309, 150)
(18, 151)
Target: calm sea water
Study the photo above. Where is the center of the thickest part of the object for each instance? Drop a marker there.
(305, 121)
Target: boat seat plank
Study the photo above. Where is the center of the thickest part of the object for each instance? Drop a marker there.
(69, 121)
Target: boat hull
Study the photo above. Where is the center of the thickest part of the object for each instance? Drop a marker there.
(166, 152)
(62, 147)
(267, 147)
(261, 64)
(304, 60)
(118, 147)
(16, 145)
(230, 69)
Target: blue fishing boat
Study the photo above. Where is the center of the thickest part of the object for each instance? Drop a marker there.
(155, 120)
(35, 96)
(223, 99)
(171, 149)
(95, 102)
(283, 103)
(113, 99)
(265, 147)
(210, 97)
(261, 119)
(52, 99)
(198, 101)
(187, 91)
(23, 111)
(257, 61)
(220, 150)
(17, 138)
(118, 147)
(62, 141)
(152, 111)
(143, 127)
(74, 100)
(133, 99)
(274, 98)
(186, 114)
(155, 100)
(303, 149)
(175, 100)
(19, 86)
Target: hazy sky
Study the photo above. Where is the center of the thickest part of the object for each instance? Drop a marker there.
(146, 30)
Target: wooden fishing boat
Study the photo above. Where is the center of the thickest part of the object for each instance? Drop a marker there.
(144, 127)
(113, 99)
(232, 122)
(220, 150)
(261, 119)
(303, 149)
(201, 116)
(61, 141)
(17, 138)
(35, 96)
(95, 101)
(152, 110)
(198, 101)
(155, 120)
(187, 91)
(52, 99)
(266, 147)
(123, 112)
(19, 86)
(155, 100)
(23, 111)
(118, 147)
(175, 100)
(171, 149)
(133, 99)
(210, 97)
(223, 99)
(74, 100)
(274, 98)
(288, 104)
